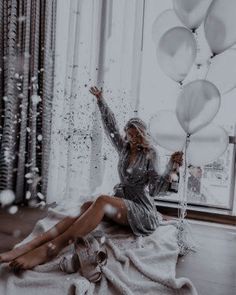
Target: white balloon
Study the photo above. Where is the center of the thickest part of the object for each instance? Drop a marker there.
(176, 52)
(191, 12)
(207, 145)
(220, 25)
(197, 105)
(166, 131)
(222, 71)
(164, 22)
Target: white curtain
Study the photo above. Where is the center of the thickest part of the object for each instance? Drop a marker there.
(97, 43)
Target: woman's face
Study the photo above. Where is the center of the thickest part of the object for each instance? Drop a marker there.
(133, 136)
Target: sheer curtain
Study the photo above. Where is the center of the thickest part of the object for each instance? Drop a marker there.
(97, 43)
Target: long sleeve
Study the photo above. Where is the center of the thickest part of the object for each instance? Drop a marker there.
(157, 184)
(110, 125)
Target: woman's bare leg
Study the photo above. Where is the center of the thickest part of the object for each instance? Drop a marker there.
(112, 207)
(49, 235)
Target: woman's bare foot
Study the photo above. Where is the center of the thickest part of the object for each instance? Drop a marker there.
(14, 253)
(37, 256)
(51, 234)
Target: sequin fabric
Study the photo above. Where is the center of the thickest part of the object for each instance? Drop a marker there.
(139, 181)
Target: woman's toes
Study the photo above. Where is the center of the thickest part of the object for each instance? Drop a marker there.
(17, 269)
(13, 264)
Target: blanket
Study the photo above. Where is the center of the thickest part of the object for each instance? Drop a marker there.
(136, 265)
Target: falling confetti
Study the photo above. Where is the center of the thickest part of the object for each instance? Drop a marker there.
(16, 233)
(28, 175)
(28, 195)
(13, 209)
(7, 197)
(35, 99)
(41, 196)
(39, 137)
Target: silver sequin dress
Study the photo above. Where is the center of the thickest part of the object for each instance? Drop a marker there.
(140, 182)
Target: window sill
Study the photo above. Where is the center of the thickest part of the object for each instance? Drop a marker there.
(198, 213)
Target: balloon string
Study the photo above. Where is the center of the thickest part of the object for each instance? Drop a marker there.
(185, 242)
(208, 67)
(198, 49)
(183, 188)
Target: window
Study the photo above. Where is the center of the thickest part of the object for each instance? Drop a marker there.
(213, 184)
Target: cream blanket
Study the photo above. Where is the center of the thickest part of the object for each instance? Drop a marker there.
(136, 265)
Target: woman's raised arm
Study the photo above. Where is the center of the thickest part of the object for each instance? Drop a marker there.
(108, 119)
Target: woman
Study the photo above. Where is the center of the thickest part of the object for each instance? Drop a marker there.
(132, 206)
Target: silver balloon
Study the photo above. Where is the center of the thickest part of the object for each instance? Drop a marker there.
(207, 145)
(176, 52)
(222, 71)
(164, 22)
(166, 131)
(191, 12)
(220, 25)
(197, 105)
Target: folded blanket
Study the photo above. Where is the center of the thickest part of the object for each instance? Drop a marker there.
(136, 265)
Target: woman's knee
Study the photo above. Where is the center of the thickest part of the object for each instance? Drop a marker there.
(104, 204)
(101, 201)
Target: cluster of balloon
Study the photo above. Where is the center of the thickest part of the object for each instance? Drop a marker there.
(174, 33)
(197, 105)
(189, 128)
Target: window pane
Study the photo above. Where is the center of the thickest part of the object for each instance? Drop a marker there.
(211, 185)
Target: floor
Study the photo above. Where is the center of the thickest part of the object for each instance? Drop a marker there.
(212, 268)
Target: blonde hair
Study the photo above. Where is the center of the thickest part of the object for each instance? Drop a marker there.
(141, 127)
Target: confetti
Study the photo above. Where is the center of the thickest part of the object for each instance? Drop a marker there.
(7, 197)
(13, 209)
(41, 196)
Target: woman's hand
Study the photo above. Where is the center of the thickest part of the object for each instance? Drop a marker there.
(177, 157)
(96, 92)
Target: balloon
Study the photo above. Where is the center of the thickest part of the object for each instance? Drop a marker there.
(166, 131)
(207, 145)
(191, 12)
(222, 71)
(197, 105)
(164, 22)
(220, 25)
(176, 52)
